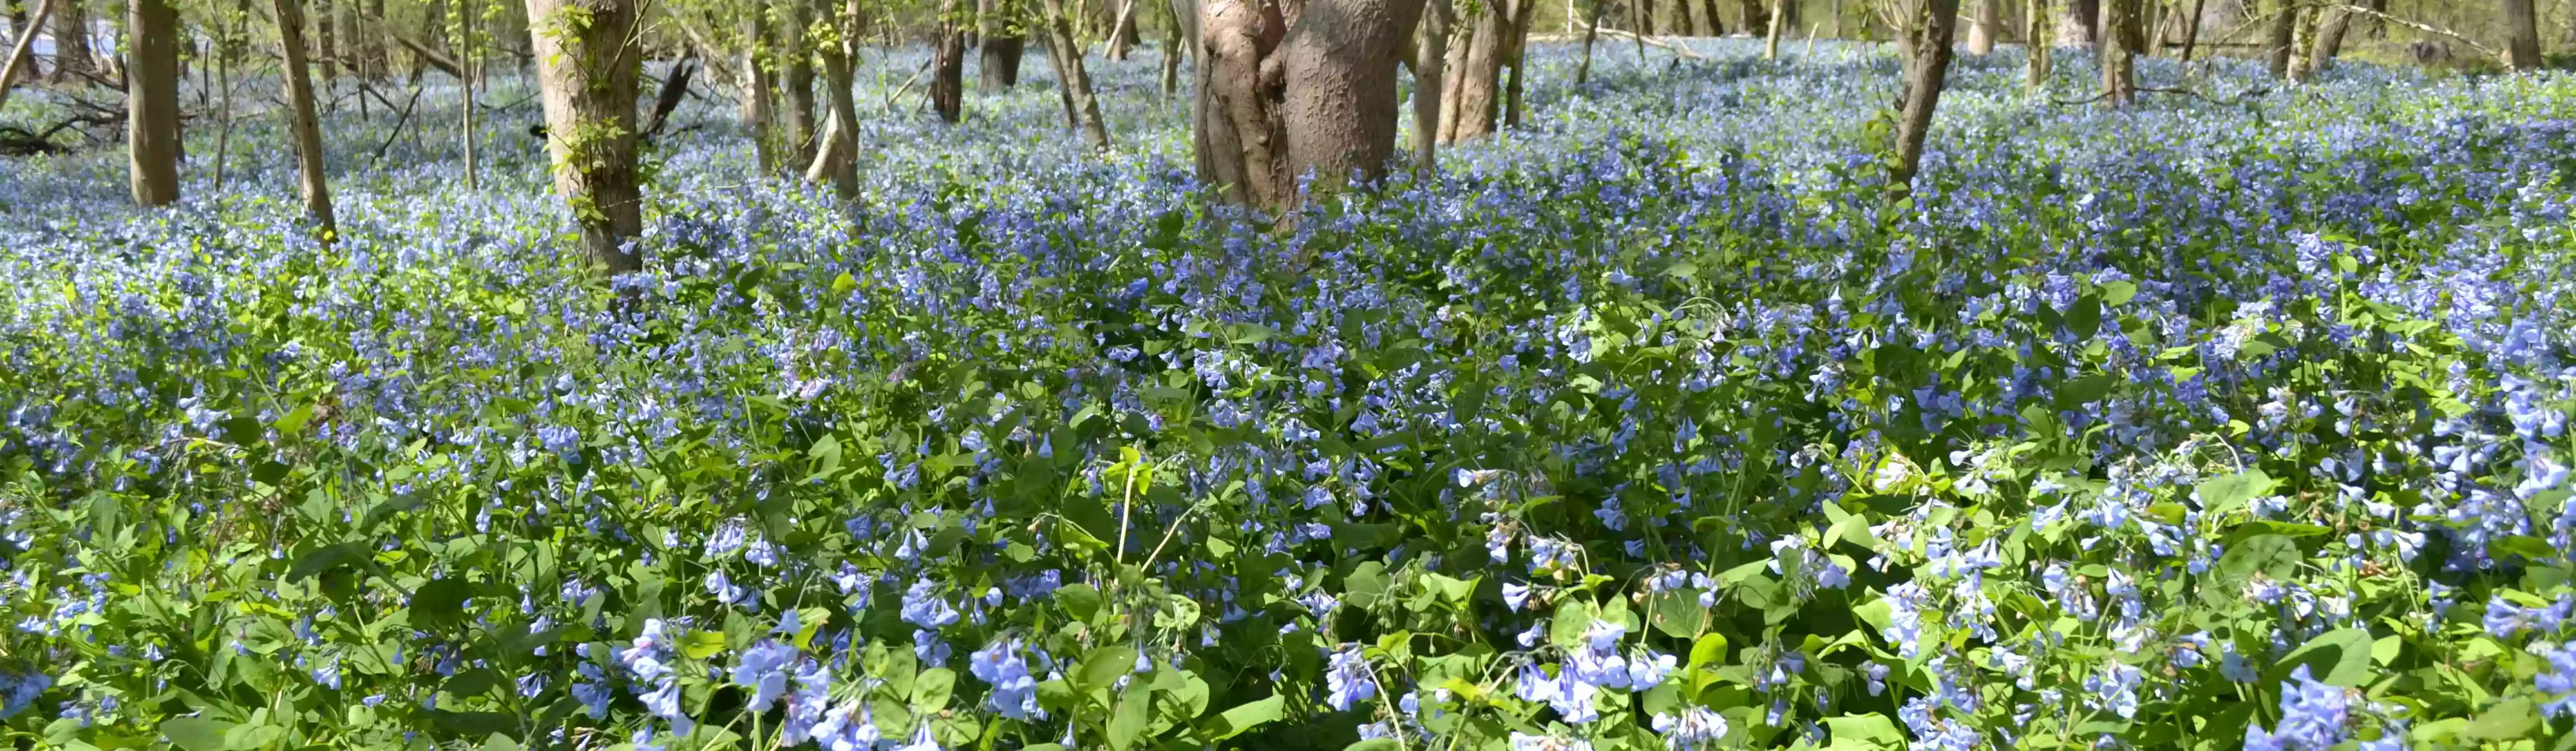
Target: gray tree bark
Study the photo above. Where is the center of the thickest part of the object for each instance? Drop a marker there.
(2522, 35)
(1927, 70)
(2330, 33)
(796, 73)
(1306, 91)
(1473, 73)
(2119, 67)
(1430, 72)
(152, 102)
(22, 60)
(72, 55)
(586, 73)
(299, 104)
(1989, 23)
(2285, 25)
(948, 64)
(757, 102)
(1000, 43)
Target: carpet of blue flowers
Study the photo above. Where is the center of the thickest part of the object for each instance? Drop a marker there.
(2229, 420)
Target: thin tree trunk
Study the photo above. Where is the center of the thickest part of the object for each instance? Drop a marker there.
(1771, 38)
(301, 119)
(1756, 18)
(1000, 43)
(587, 75)
(374, 59)
(1477, 85)
(152, 101)
(2036, 29)
(2119, 72)
(224, 102)
(72, 56)
(756, 86)
(2522, 35)
(1926, 71)
(2330, 33)
(1067, 55)
(1645, 17)
(21, 61)
(2191, 29)
(465, 49)
(948, 65)
(836, 158)
(1430, 63)
(2130, 27)
(1171, 78)
(1981, 35)
(1716, 23)
(326, 22)
(1523, 13)
(2285, 24)
(1122, 32)
(796, 74)
(1684, 22)
(1591, 29)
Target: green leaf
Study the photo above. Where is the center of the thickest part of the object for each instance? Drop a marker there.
(441, 602)
(2510, 719)
(1863, 732)
(1365, 586)
(326, 559)
(248, 736)
(1082, 601)
(1374, 744)
(699, 645)
(931, 688)
(2340, 657)
(195, 733)
(1102, 666)
(1246, 716)
(1128, 722)
(2224, 494)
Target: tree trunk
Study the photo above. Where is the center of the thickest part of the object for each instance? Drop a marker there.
(587, 76)
(1927, 69)
(2522, 35)
(1981, 35)
(1122, 32)
(2035, 27)
(999, 42)
(152, 101)
(466, 24)
(948, 65)
(22, 53)
(1755, 17)
(1066, 54)
(836, 156)
(1645, 16)
(1469, 106)
(1683, 21)
(1430, 71)
(72, 56)
(1171, 78)
(796, 74)
(2329, 42)
(757, 101)
(1591, 30)
(22, 61)
(2285, 24)
(1716, 23)
(2119, 68)
(299, 104)
(2129, 27)
(1287, 97)
(1523, 13)
(375, 60)
(1771, 37)
(2191, 29)
(326, 22)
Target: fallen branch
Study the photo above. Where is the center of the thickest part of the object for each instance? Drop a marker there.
(399, 122)
(888, 104)
(673, 88)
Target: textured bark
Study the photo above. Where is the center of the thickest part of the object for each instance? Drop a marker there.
(1430, 72)
(1989, 21)
(2522, 35)
(948, 65)
(796, 74)
(836, 155)
(152, 101)
(1239, 134)
(999, 44)
(2119, 69)
(758, 104)
(2329, 42)
(299, 103)
(2036, 68)
(587, 78)
(1927, 69)
(2285, 24)
(72, 55)
(22, 62)
(1072, 77)
(1468, 106)
(1523, 12)
(1284, 96)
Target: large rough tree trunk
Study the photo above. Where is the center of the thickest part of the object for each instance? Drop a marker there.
(22, 60)
(1927, 70)
(1000, 43)
(2329, 42)
(299, 105)
(2285, 25)
(2522, 35)
(1989, 23)
(1065, 52)
(72, 56)
(152, 102)
(2119, 68)
(948, 65)
(587, 75)
(757, 101)
(796, 73)
(836, 157)
(1473, 74)
(1285, 95)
